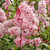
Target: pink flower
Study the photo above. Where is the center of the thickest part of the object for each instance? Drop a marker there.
(45, 23)
(20, 41)
(26, 20)
(37, 41)
(1, 35)
(42, 7)
(15, 31)
(8, 23)
(8, 14)
(35, 33)
(26, 32)
(6, 4)
(30, 42)
(32, 7)
(47, 1)
(2, 15)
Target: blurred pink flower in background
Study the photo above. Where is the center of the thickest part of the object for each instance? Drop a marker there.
(47, 1)
(42, 11)
(6, 4)
(42, 7)
(2, 15)
(30, 42)
(8, 14)
(49, 9)
(1, 35)
(37, 41)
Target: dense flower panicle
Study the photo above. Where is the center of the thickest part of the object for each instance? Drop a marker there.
(15, 31)
(20, 41)
(42, 7)
(26, 14)
(26, 20)
(42, 11)
(37, 41)
(6, 4)
(45, 23)
(2, 15)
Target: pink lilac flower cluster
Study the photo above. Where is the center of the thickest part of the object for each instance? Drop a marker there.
(2, 15)
(21, 41)
(42, 7)
(25, 21)
(6, 4)
(4, 27)
(47, 1)
(37, 41)
(42, 11)
(26, 25)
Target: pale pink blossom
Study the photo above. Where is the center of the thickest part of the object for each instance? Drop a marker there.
(8, 23)
(35, 33)
(47, 1)
(41, 18)
(30, 42)
(20, 41)
(26, 32)
(42, 11)
(42, 7)
(45, 23)
(5, 26)
(6, 4)
(2, 15)
(37, 41)
(15, 31)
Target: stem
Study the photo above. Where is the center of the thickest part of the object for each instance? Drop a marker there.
(20, 48)
(42, 47)
(34, 46)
